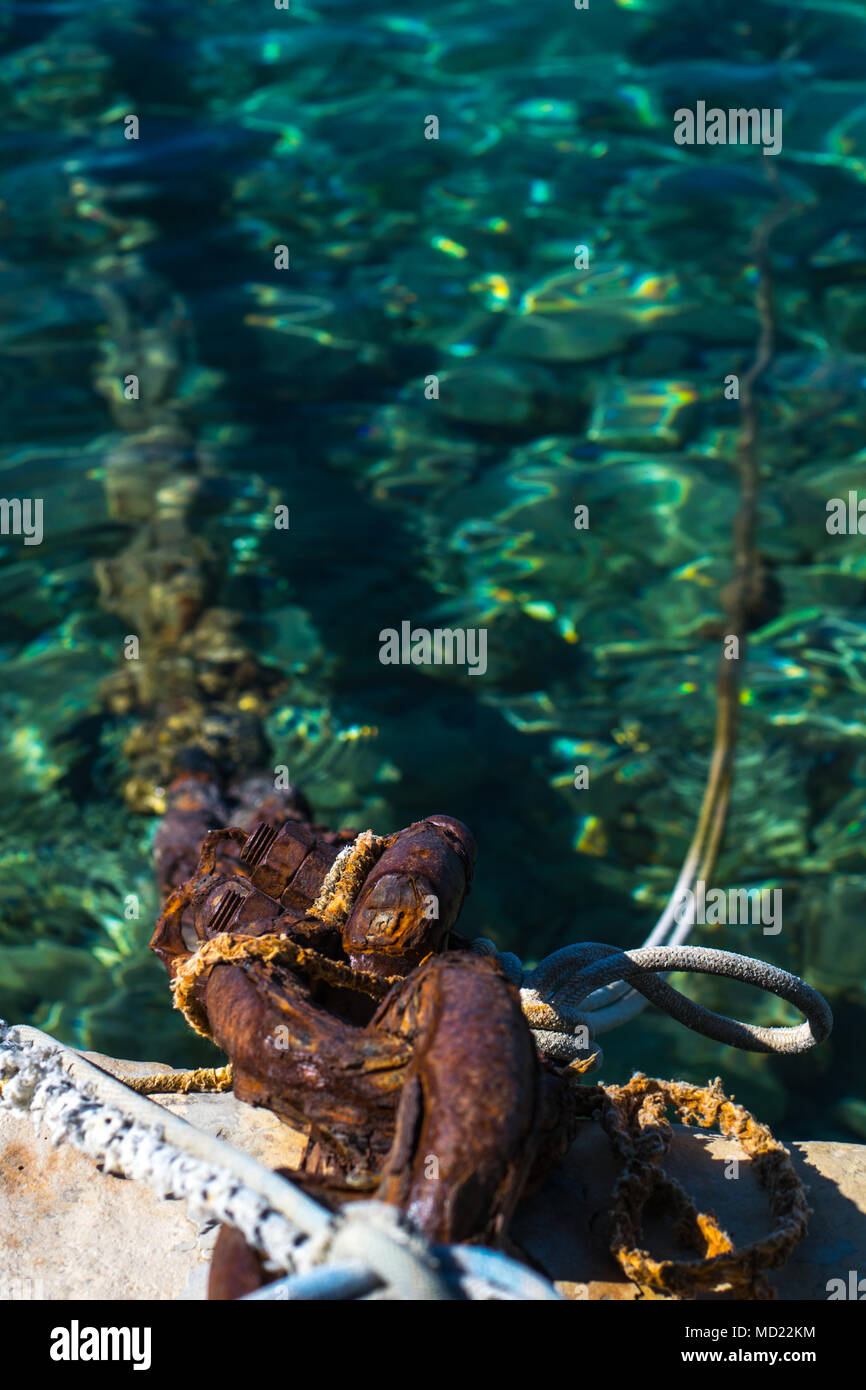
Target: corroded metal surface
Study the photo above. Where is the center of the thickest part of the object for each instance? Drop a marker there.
(431, 1093)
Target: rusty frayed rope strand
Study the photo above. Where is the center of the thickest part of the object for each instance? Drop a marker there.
(634, 1118)
(181, 1082)
(345, 878)
(227, 949)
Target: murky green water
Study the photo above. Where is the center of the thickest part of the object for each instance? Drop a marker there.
(558, 386)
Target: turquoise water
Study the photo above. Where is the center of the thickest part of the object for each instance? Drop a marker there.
(600, 385)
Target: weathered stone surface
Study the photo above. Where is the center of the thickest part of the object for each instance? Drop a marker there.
(257, 1132)
(68, 1231)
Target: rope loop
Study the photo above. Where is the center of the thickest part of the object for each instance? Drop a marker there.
(555, 995)
(640, 968)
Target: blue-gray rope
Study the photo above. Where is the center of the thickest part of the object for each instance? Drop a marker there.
(553, 993)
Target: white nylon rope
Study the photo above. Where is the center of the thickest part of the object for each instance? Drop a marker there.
(131, 1135)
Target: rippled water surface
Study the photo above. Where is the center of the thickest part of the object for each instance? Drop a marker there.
(599, 385)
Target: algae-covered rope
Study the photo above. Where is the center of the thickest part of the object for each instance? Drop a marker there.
(742, 599)
(345, 878)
